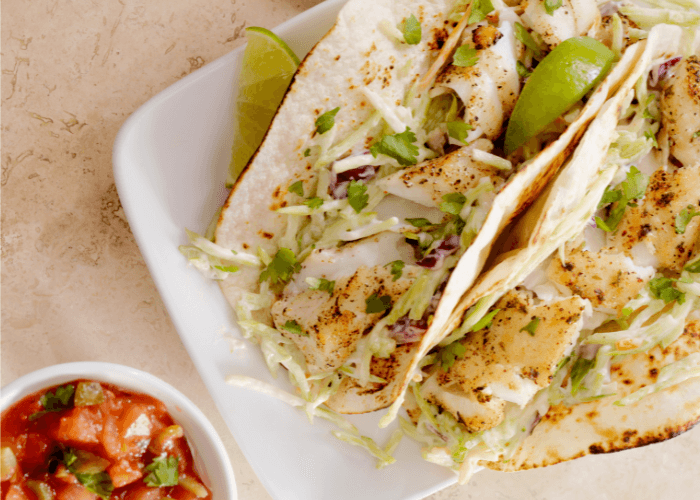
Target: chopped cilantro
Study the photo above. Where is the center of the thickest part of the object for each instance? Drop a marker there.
(684, 217)
(297, 188)
(695, 135)
(622, 320)
(452, 203)
(458, 130)
(610, 196)
(486, 321)
(307, 152)
(551, 6)
(631, 189)
(420, 222)
(281, 268)
(376, 304)
(652, 137)
(411, 30)
(163, 472)
(396, 268)
(531, 326)
(313, 203)
(326, 121)
(480, 9)
(662, 288)
(293, 327)
(324, 285)
(55, 401)
(400, 147)
(579, 371)
(99, 483)
(523, 72)
(465, 56)
(522, 34)
(693, 267)
(450, 353)
(357, 195)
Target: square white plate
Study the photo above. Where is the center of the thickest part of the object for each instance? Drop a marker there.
(170, 163)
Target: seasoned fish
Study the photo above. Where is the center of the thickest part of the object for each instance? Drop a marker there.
(653, 222)
(504, 362)
(490, 88)
(680, 111)
(573, 18)
(427, 182)
(332, 324)
(608, 279)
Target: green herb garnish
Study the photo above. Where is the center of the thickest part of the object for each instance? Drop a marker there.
(357, 195)
(396, 269)
(631, 189)
(458, 130)
(411, 30)
(400, 147)
(662, 288)
(465, 56)
(297, 188)
(579, 371)
(522, 34)
(452, 203)
(307, 152)
(531, 326)
(163, 472)
(450, 353)
(283, 265)
(551, 6)
(684, 217)
(376, 304)
(326, 121)
(55, 401)
(313, 203)
(324, 285)
(293, 327)
(480, 10)
(99, 483)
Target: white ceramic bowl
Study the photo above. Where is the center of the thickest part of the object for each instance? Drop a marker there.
(210, 457)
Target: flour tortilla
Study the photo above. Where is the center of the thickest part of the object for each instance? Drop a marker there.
(355, 54)
(566, 433)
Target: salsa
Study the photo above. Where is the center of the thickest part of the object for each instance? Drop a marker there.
(88, 440)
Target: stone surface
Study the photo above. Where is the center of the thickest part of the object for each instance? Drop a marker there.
(74, 285)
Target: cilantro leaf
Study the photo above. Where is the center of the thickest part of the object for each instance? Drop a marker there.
(357, 195)
(522, 34)
(297, 188)
(486, 321)
(326, 121)
(579, 371)
(450, 353)
(400, 147)
(693, 267)
(453, 203)
(307, 152)
(531, 326)
(420, 222)
(55, 401)
(684, 217)
(163, 472)
(610, 196)
(622, 320)
(396, 269)
(99, 484)
(631, 189)
(458, 130)
(652, 137)
(283, 265)
(523, 72)
(293, 327)
(313, 203)
(411, 30)
(464, 57)
(662, 288)
(376, 304)
(480, 10)
(324, 285)
(551, 6)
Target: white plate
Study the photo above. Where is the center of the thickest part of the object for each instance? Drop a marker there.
(170, 162)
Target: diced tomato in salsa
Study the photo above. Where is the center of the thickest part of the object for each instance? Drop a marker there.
(104, 450)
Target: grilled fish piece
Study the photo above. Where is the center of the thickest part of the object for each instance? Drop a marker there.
(573, 18)
(505, 362)
(680, 111)
(332, 324)
(653, 222)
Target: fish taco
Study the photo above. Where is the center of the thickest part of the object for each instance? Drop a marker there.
(582, 336)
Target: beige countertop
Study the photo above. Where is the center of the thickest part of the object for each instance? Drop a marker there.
(74, 285)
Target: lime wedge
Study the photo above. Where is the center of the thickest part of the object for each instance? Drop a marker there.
(563, 77)
(267, 69)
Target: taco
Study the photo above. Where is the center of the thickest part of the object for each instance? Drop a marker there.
(382, 184)
(582, 336)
